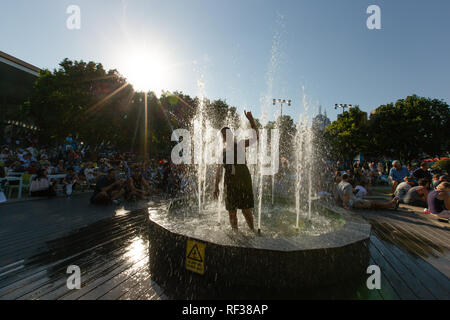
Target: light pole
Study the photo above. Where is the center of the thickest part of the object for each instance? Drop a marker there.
(281, 102)
(342, 106)
(145, 126)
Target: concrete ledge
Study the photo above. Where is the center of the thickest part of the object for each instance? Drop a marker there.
(257, 267)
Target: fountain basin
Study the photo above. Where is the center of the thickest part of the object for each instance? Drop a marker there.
(243, 265)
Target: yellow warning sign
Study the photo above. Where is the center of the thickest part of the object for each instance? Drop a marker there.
(195, 256)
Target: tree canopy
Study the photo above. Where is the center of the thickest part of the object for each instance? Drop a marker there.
(406, 129)
(84, 100)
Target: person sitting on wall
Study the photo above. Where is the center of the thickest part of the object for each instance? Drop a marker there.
(397, 174)
(347, 199)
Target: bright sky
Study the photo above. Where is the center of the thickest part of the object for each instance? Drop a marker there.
(245, 50)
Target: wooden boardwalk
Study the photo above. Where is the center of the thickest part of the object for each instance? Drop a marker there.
(111, 249)
(413, 252)
(112, 254)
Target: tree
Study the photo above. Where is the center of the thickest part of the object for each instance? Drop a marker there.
(348, 135)
(411, 127)
(79, 98)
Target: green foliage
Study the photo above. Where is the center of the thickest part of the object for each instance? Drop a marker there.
(348, 135)
(443, 165)
(406, 129)
(411, 127)
(79, 99)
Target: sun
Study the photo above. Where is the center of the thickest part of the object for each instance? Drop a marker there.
(147, 70)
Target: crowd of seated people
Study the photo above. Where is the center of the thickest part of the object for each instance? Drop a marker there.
(350, 196)
(80, 168)
(415, 186)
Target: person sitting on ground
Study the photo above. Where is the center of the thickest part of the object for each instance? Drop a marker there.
(439, 201)
(417, 196)
(60, 168)
(136, 186)
(347, 199)
(48, 166)
(422, 172)
(380, 168)
(41, 186)
(373, 173)
(360, 190)
(33, 168)
(403, 188)
(436, 180)
(90, 173)
(397, 174)
(411, 169)
(70, 181)
(26, 160)
(4, 155)
(108, 190)
(443, 178)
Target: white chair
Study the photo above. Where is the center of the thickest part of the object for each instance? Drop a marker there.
(11, 187)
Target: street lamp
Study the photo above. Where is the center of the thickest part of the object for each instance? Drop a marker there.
(281, 102)
(342, 106)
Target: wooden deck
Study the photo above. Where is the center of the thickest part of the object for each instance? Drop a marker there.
(111, 249)
(412, 250)
(112, 254)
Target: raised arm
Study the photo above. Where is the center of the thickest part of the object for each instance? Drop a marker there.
(253, 125)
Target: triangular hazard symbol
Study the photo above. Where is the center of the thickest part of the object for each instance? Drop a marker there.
(195, 254)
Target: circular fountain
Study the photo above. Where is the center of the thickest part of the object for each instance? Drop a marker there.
(328, 251)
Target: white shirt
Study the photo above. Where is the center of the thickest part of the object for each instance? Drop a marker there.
(361, 191)
(402, 190)
(39, 185)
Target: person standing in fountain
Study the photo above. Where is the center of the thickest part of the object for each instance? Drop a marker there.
(238, 181)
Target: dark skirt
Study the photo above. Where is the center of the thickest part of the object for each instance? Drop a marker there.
(238, 188)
